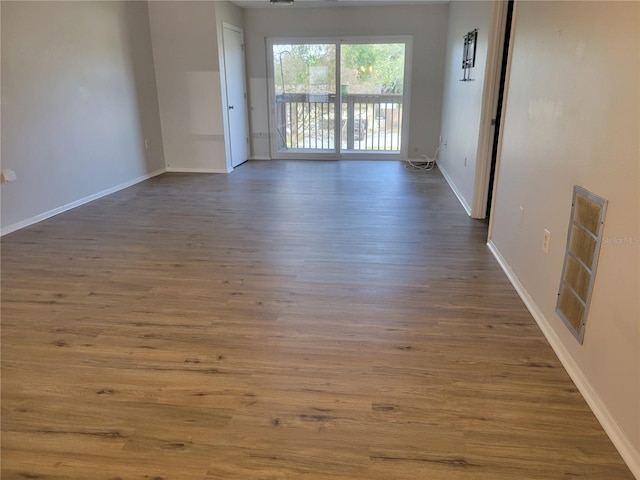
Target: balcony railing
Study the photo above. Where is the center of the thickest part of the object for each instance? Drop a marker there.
(308, 121)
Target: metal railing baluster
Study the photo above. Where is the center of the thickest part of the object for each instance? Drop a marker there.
(308, 123)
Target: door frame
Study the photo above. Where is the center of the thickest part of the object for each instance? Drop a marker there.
(507, 79)
(490, 96)
(224, 95)
(502, 90)
(338, 41)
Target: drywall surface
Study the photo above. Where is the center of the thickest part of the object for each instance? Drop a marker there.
(229, 13)
(462, 101)
(425, 23)
(78, 101)
(572, 118)
(185, 53)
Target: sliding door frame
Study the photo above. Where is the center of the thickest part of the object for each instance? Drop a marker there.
(337, 152)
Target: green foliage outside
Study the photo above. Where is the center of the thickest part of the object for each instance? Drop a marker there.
(366, 68)
(379, 67)
(299, 62)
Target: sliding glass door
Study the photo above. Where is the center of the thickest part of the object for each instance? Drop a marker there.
(305, 97)
(372, 86)
(334, 99)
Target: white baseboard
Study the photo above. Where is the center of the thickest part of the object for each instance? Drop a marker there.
(77, 203)
(260, 158)
(457, 192)
(599, 408)
(196, 170)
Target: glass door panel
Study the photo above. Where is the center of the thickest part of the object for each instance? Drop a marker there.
(372, 88)
(305, 97)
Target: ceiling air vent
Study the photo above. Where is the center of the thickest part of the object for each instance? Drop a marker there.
(581, 259)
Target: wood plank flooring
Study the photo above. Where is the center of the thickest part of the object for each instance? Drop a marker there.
(291, 320)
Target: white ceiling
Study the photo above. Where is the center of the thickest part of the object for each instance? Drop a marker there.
(332, 3)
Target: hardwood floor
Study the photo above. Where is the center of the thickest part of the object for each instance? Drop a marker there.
(291, 320)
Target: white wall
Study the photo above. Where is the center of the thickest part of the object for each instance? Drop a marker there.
(573, 117)
(462, 101)
(426, 23)
(229, 13)
(185, 53)
(78, 101)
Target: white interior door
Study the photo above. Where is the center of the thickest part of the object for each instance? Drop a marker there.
(236, 96)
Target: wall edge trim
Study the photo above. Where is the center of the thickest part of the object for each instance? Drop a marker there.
(77, 203)
(196, 170)
(588, 392)
(457, 192)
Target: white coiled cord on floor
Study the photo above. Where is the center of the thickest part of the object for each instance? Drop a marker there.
(427, 164)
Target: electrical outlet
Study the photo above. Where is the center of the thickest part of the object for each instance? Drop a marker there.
(546, 242)
(146, 144)
(260, 134)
